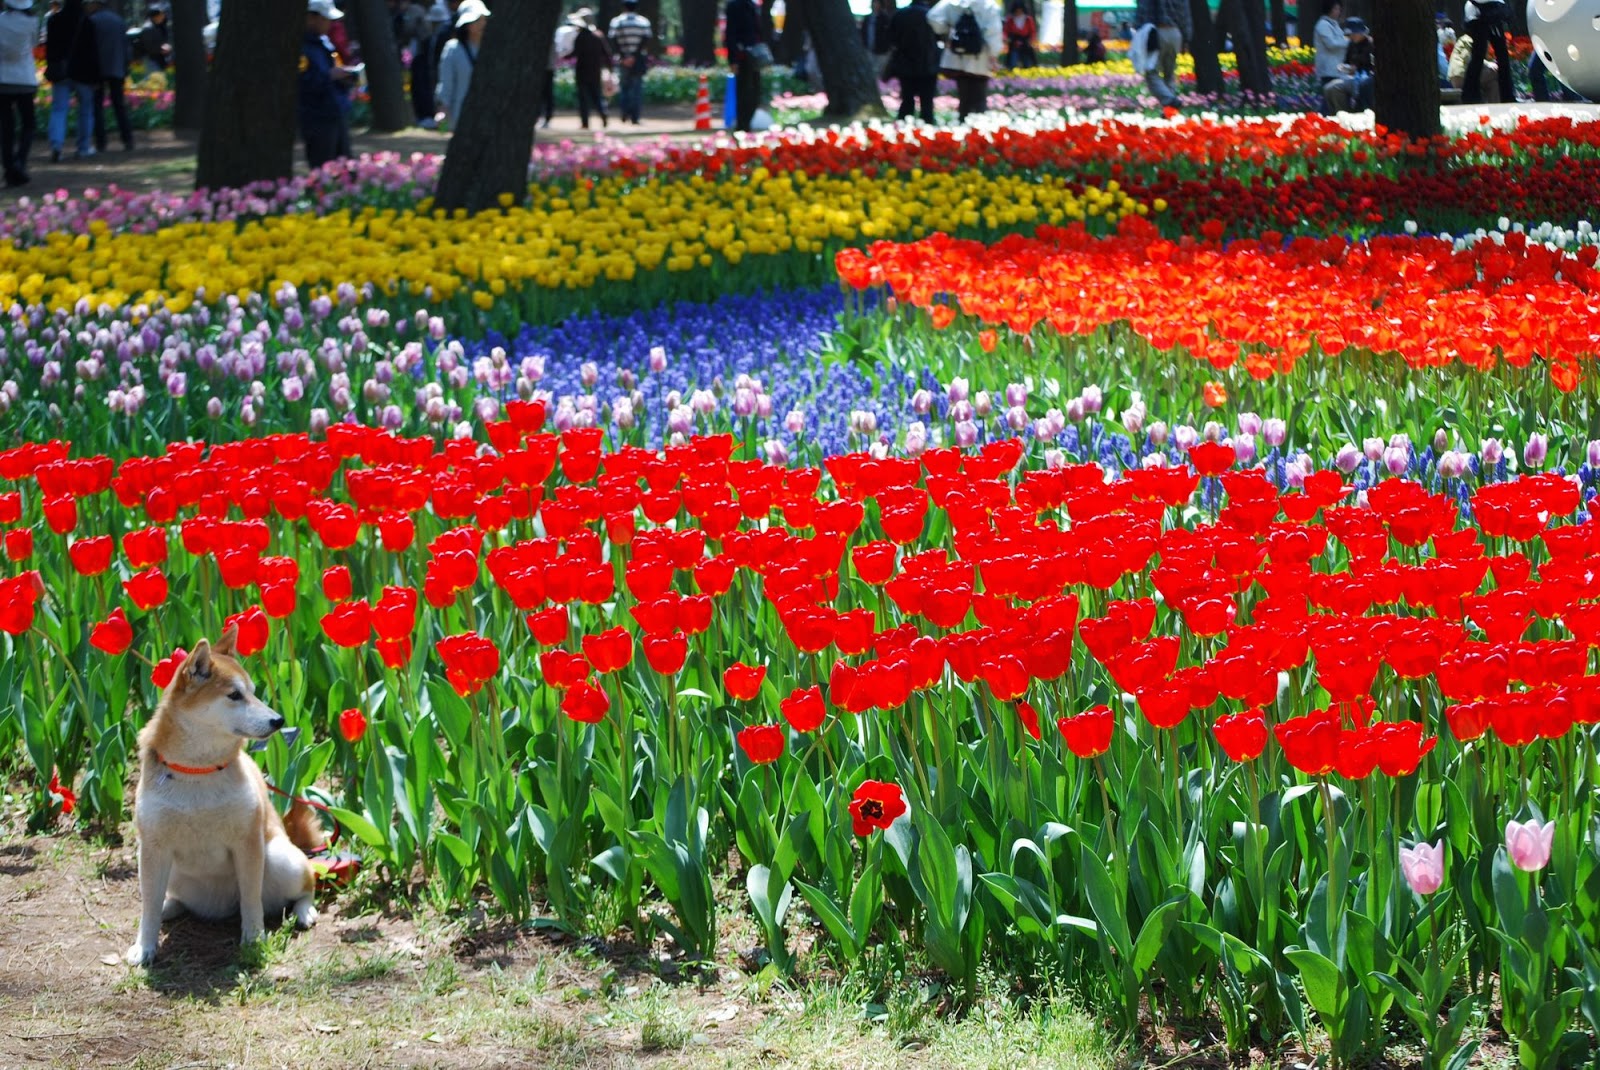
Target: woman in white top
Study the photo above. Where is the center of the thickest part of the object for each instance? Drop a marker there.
(19, 81)
(968, 58)
(460, 55)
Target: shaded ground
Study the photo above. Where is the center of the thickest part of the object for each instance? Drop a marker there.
(162, 160)
(371, 987)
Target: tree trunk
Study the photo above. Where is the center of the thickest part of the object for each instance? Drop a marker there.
(1207, 41)
(188, 64)
(700, 32)
(250, 119)
(1280, 24)
(488, 155)
(848, 76)
(386, 81)
(1069, 32)
(1250, 47)
(1305, 20)
(1406, 94)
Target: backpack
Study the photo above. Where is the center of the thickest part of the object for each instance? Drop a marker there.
(966, 37)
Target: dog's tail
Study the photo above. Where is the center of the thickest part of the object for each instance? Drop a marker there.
(304, 830)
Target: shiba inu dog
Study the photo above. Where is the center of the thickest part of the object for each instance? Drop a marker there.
(210, 841)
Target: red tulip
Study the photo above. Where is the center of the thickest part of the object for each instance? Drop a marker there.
(348, 624)
(666, 653)
(336, 583)
(61, 514)
(563, 669)
(395, 615)
(145, 547)
(396, 653)
(1088, 735)
(352, 725)
(11, 507)
(253, 629)
(69, 798)
(278, 598)
(1030, 719)
(396, 530)
(761, 743)
(92, 556)
(18, 596)
(19, 544)
(549, 627)
(743, 682)
(876, 805)
(161, 675)
(1311, 742)
(470, 661)
(804, 710)
(1243, 736)
(609, 651)
(585, 703)
(147, 589)
(112, 635)
(1211, 458)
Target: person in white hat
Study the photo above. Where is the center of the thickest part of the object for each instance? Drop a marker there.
(325, 83)
(19, 81)
(458, 59)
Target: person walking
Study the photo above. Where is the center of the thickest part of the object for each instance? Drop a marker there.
(972, 43)
(914, 59)
(1144, 52)
(1020, 31)
(1486, 23)
(630, 35)
(458, 59)
(111, 44)
(1174, 30)
(591, 59)
(19, 82)
(63, 31)
(324, 90)
(741, 37)
(877, 36)
(154, 42)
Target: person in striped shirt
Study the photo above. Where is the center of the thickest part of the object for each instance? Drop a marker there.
(629, 34)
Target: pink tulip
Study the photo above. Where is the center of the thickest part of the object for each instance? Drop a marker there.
(1423, 867)
(1528, 844)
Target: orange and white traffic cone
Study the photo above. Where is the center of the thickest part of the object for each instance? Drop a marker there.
(702, 106)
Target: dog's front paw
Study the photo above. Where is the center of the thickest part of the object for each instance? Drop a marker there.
(305, 915)
(139, 955)
(250, 936)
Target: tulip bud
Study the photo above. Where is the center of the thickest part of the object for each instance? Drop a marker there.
(1441, 442)
(1017, 416)
(1423, 867)
(795, 421)
(966, 433)
(1075, 410)
(1093, 399)
(1249, 423)
(1372, 448)
(1184, 437)
(957, 390)
(1348, 459)
(1491, 451)
(1016, 395)
(982, 404)
(1244, 448)
(1396, 460)
(1528, 844)
(1535, 450)
(1452, 464)
(1275, 432)
(1158, 433)
(658, 359)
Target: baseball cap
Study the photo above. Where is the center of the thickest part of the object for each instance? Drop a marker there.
(324, 8)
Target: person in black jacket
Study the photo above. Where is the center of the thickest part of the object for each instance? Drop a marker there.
(591, 58)
(155, 36)
(875, 34)
(111, 48)
(741, 33)
(324, 89)
(914, 59)
(68, 48)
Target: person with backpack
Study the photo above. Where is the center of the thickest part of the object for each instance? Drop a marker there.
(973, 39)
(914, 59)
(458, 59)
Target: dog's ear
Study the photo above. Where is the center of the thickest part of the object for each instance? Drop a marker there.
(198, 665)
(229, 642)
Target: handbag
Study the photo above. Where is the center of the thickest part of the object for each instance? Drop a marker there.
(759, 54)
(608, 83)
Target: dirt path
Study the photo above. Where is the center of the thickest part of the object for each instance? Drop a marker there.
(162, 160)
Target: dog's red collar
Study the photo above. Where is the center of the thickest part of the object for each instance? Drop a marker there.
(192, 770)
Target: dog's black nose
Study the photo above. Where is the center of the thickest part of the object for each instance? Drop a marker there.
(276, 722)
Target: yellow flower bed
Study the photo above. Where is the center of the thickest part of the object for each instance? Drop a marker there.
(564, 239)
(1122, 65)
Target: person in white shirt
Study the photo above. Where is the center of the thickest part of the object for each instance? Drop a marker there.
(459, 57)
(19, 82)
(971, 48)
